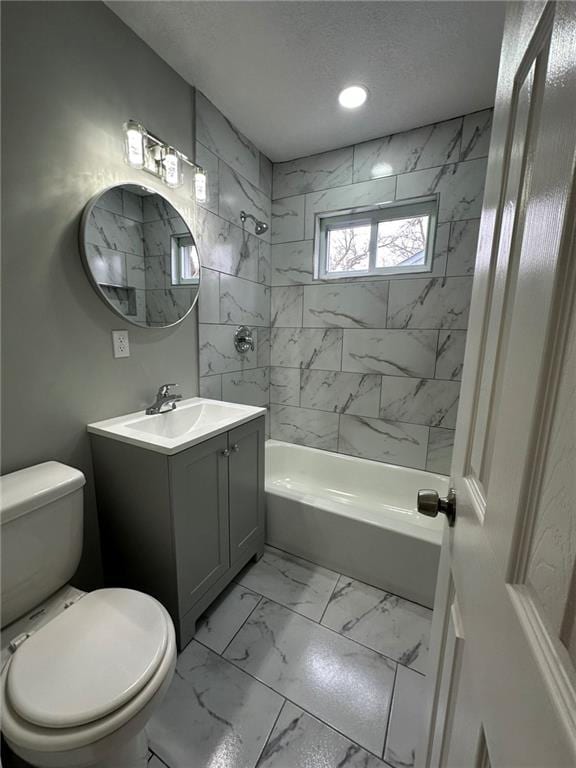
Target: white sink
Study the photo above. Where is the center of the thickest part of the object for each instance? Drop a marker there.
(191, 422)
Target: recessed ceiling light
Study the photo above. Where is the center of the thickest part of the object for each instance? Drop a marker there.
(353, 96)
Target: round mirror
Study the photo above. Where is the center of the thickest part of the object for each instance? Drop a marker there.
(140, 256)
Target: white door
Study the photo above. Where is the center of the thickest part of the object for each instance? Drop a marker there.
(503, 654)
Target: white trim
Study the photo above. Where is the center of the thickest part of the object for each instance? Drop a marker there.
(176, 257)
(325, 221)
(550, 655)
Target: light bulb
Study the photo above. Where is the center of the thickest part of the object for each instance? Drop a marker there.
(353, 96)
(135, 144)
(200, 185)
(172, 168)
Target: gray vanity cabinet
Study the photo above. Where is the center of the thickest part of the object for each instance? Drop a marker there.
(180, 527)
(246, 483)
(199, 493)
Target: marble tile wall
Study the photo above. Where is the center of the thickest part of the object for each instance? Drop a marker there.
(165, 302)
(128, 244)
(371, 367)
(236, 263)
(115, 250)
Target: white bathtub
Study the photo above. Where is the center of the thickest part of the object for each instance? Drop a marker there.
(354, 516)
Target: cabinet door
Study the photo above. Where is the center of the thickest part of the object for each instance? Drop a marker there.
(199, 491)
(246, 488)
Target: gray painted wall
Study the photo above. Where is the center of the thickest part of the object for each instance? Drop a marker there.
(72, 74)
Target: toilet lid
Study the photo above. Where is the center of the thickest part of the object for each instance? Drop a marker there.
(89, 660)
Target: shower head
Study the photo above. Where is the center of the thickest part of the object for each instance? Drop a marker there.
(259, 226)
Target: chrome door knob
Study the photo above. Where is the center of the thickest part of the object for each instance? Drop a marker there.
(225, 452)
(430, 503)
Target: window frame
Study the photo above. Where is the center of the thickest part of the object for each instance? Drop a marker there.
(176, 258)
(373, 215)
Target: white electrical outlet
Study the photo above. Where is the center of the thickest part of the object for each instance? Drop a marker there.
(121, 343)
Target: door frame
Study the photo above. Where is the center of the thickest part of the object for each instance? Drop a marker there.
(554, 665)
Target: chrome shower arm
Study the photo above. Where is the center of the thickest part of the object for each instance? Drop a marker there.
(259, 226)
(244, 216)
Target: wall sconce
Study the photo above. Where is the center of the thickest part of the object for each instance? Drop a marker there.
(172, 168)
(149, 153)
(135, 144)
(200, 185)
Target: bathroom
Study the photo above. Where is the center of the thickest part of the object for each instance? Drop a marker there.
(230, 464)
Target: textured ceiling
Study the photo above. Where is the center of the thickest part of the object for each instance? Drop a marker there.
(275, 68)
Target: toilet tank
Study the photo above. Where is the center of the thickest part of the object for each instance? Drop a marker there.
(41, 520)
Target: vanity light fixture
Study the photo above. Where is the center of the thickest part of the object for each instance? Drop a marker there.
(172, 168)
(135, 144)
(149, 153)
(353, 96)
(200, 183)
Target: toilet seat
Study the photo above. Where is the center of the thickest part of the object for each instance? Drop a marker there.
(89, 660)
(153, 669)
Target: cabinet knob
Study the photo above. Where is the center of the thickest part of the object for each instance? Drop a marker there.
(225, 452)
(235, 447)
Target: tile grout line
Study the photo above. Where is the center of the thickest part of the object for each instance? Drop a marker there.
(383, 656)
(318, 622)
(413, 602)
(258, 282)
(157, 758)
(330, 599)
(231, 661)
(361, 373)
(244, 622)
(387, 728)
(375, 178)
(450, 233)
(221, 159)
(361, 278)
(311, 239)
(369, 330)
(265, 744)
(380, 139)
(287, 699)
(377, 417)
(270, 688)
(345, 576)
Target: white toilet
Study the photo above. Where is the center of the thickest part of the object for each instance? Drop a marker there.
(82, 673)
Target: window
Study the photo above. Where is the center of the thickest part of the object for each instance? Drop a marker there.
(391, 239)
(185, 261)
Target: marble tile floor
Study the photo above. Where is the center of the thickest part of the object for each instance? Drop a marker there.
(296, 666)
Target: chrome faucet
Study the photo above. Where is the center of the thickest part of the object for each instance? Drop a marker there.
(163, 397)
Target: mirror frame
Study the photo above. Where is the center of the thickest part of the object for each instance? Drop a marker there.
(87, 211)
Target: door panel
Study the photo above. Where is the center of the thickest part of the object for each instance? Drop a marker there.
(551, 566)
(519, 162)
(517, 185)
(513, 549)
(199, 490)
(543, 259)
(246, 483)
